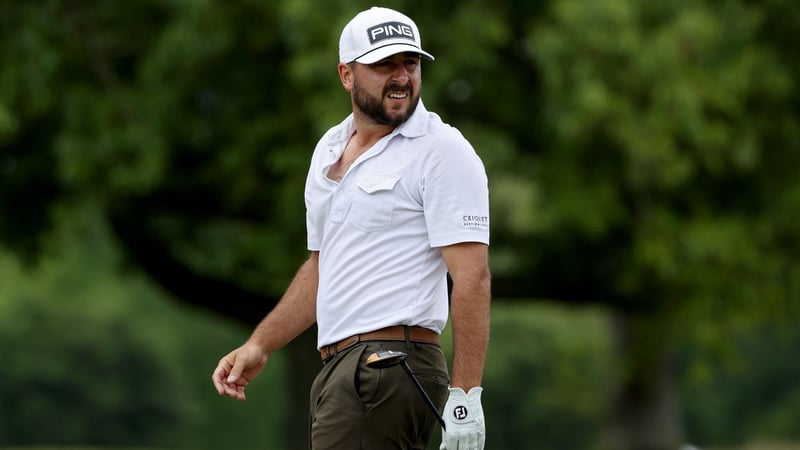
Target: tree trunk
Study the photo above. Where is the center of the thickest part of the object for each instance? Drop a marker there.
(644, 413)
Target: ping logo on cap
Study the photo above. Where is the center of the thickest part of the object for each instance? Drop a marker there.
(390, 30)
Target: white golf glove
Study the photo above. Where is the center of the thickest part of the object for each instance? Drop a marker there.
(463, 416)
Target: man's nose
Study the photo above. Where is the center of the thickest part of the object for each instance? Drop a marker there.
(400, 73)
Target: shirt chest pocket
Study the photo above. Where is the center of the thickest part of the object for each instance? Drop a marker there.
(373, 202)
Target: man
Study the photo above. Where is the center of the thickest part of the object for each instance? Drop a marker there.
(395, 200)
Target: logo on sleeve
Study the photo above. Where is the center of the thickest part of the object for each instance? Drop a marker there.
(476, 222)
(390, 30)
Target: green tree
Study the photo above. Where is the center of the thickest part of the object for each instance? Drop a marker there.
(67, 389)
(79, 367)
(95, 355)
(748, 394)
(662, 186)
(641, 153)
(176, 119)
(545, 368)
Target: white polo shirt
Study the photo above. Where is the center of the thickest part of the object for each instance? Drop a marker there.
(379, 230)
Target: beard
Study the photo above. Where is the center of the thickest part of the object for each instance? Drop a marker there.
(373, 107)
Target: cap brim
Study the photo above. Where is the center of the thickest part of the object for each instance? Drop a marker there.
(389, 50)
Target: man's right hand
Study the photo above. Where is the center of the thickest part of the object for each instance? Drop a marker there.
(238, 368)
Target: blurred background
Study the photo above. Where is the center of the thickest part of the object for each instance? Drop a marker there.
(643, 161)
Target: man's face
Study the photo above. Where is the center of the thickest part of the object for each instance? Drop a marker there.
(387, 92)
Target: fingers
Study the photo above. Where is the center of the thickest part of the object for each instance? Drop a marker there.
(234, 391)
(219, 375)
(227, 377)
(237, 369)
(239, 365)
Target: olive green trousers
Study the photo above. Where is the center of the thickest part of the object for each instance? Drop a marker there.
(358, 407)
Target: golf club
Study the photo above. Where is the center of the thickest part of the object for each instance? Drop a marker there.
(389, 358)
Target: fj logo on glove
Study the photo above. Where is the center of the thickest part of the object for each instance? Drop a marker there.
(460, 412)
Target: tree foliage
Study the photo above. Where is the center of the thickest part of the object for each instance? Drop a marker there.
(641, 154)
(640, 148)
(79, 366)
(98, 356)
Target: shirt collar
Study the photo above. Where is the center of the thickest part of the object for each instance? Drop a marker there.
(415, 126)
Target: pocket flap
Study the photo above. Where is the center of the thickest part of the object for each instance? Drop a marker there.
(372, 183)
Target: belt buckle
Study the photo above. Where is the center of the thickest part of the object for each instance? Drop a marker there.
(330, 350)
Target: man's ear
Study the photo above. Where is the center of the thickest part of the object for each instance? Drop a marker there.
(346, 76)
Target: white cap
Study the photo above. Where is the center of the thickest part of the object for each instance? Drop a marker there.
(378, 33)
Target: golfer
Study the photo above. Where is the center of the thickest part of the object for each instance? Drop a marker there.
(395, 200)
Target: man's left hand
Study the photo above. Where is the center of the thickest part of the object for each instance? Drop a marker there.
(463, 416)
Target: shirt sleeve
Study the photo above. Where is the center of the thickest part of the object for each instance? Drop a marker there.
(455, 193)
(314, 225)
